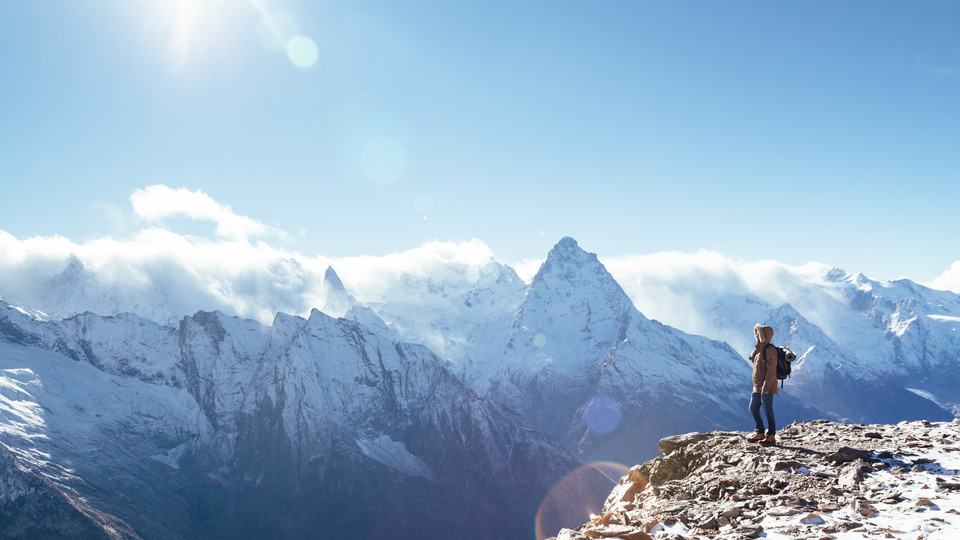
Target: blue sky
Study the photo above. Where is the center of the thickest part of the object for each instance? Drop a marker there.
(794, 131)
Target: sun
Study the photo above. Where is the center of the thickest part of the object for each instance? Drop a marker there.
(189, 33)
(190, 30)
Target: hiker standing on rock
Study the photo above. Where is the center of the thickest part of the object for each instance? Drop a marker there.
(764, 360)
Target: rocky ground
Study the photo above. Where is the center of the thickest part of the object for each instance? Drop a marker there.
(823, 480)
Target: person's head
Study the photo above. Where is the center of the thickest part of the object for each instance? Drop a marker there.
(763, 333)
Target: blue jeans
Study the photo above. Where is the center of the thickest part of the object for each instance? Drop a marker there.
(766, 400)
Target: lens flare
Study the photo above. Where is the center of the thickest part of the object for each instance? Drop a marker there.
(275, 30)
(539, 340)
(573, 499)
(302, 51)
(279, 31)
(602, 414)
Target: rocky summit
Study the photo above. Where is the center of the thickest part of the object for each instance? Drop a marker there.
(823, 480)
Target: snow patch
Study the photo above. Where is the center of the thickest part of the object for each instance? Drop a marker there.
(924, 394)
(925, 508)
(22, 415)
(171, 458)
(395, 455)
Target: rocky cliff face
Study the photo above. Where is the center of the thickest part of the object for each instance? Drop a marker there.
(226, 428)
(823, 480)
(32, 506)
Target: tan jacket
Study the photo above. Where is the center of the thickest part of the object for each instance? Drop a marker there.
(764, 360)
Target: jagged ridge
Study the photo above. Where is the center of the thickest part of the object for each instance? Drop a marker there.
(226, 428)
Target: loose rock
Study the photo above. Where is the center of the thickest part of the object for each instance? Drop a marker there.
(717, 484)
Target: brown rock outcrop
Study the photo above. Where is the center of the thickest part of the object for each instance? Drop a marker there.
(823, 478)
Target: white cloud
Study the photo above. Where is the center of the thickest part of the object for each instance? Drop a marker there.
(157, 202)
(155, 273)
(527, 268)
(949, 280)
(157, 268)
(164, 275)
(680, 289)
(368, 277)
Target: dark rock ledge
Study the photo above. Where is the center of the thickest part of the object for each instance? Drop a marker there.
(822, 479)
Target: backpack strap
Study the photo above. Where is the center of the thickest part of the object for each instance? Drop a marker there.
(765, 359)
(765, 350)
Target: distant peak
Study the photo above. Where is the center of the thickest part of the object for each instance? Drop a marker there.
(860, 279)
(75, 264)
(337, 301)
(835, 274)
(332, 279)
(568, 261)
(567, 250)
(567, 243)
(74, 273)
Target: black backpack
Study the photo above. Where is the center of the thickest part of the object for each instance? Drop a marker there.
(785, 358)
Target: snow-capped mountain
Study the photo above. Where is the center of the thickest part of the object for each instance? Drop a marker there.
(841, 384)
(583, 364)
(444, 390)
(921, 331)
(163, 291)
(572, 353)
(856, 353)
(223, 427)
(867, 351)
(462, 316)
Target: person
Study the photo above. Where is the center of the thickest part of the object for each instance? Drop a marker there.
(764, 360)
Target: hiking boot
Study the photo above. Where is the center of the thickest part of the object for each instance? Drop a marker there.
(769, 440)
(757, 437)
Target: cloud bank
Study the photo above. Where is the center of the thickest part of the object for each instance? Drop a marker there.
(245, 270)
(164, 275)
(681, 289)
(949, 280)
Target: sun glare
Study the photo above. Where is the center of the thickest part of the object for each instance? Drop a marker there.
(190, 32)
(279, 31)
(190, 29)
(185, 15)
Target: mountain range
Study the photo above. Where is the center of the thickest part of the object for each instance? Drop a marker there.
(223, 427)
(442, 406)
